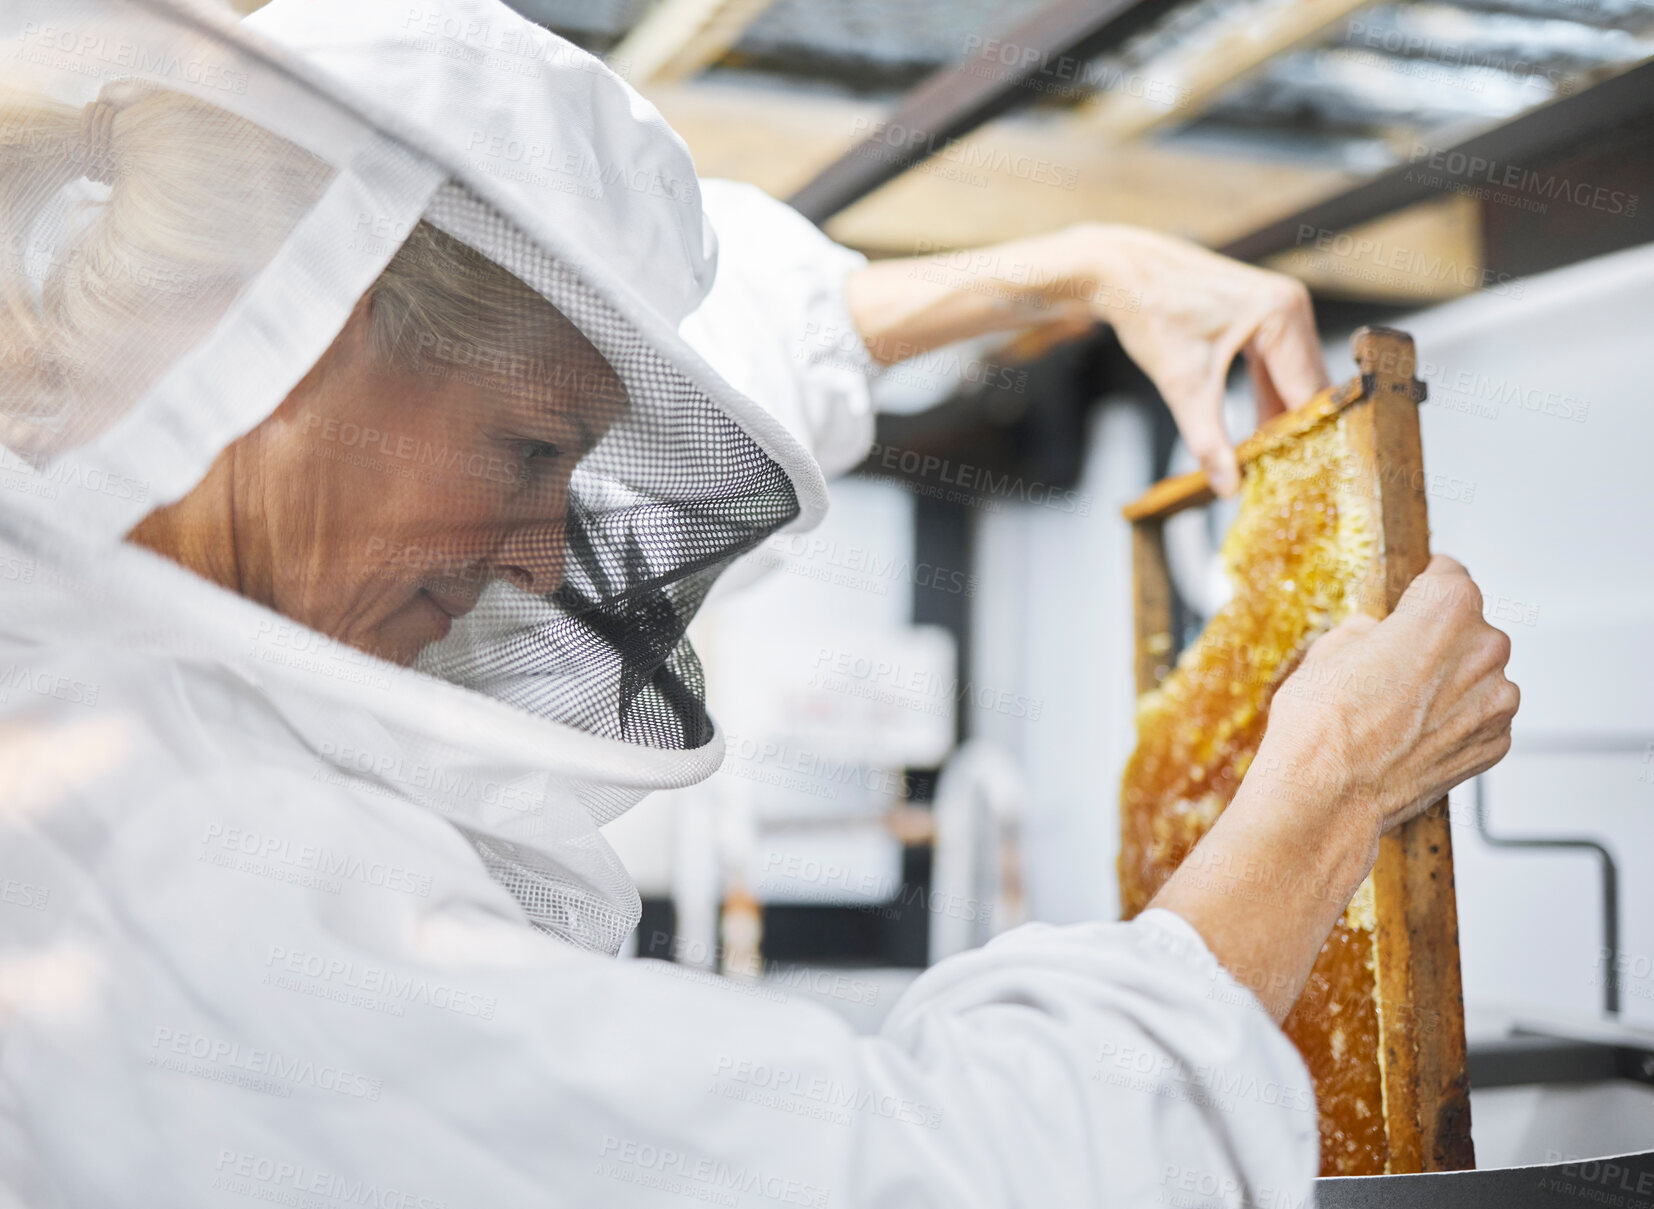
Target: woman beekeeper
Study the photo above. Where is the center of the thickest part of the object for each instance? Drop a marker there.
(358, 489)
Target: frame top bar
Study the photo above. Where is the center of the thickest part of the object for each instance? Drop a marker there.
(1377, 350)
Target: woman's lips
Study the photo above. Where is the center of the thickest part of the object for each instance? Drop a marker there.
(443, 607)
(441, 620)
(454, 604)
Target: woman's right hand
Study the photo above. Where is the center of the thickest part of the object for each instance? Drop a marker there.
(1380, 720)
(1395, 713)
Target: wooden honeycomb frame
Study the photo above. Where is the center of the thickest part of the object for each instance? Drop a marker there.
(1416, 943)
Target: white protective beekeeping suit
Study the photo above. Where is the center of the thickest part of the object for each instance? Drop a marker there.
(282, 920)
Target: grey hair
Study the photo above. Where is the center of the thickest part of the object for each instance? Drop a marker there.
(98, 328)
(441, 303)
(143, 279)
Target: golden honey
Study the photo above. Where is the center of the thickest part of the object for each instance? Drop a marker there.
(1297, 556)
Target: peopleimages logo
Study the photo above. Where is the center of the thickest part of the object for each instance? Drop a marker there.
(446, 783)
(819, 557)
(836, 1101)
(73, 474)
(886, 139)
(1065, 75)
(375, 980)
(47, 684)
(697, 1176)
(1147, 1069)
(1480, 170)
(532, 156)
(23, 894)
(1366, 258)
(1483, 394)
(782, 870)
(273, 850)
(221, 1061)
(978, 480)
(917, 688)
(288, 1183)
(92, 53)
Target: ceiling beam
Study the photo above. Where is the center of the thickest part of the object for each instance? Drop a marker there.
(1502, 164)
(1021, 177)
(1427, 252)
(1014, 177)
(1027, 176)
(1045, 55)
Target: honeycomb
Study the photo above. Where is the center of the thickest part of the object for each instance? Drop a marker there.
(1297, 556)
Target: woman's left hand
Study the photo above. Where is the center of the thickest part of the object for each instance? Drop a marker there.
(1183, 313)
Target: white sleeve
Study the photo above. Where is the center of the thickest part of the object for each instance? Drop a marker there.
(775, 323)
(1108, 1064)
(189, 1020)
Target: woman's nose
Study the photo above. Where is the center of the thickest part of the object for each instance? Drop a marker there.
(532, 557)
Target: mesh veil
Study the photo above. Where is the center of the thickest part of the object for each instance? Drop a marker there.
(657, 510)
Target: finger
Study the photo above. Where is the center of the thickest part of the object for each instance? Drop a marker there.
(1495, 648)
(1200, 420)
(1290, 348)
(1264, 394)
(1485, 710)
(1482, 756)
(1218, 460)
(1503, 701)
(1222, 469)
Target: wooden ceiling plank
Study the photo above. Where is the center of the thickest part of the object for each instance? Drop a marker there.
(1180, 85)
(678, 39)
(1018, 177)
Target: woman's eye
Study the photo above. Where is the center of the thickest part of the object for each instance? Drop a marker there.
(529, 450)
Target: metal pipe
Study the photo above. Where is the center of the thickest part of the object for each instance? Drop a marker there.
(1610, 885)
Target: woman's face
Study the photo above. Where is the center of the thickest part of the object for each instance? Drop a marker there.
(390, 498)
